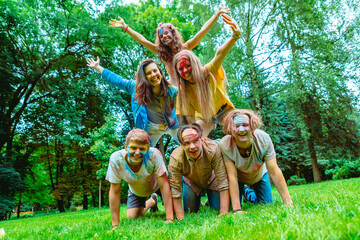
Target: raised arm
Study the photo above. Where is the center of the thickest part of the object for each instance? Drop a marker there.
(114, 202)
(167, 199)
(278, 180)
(135, 35)
(192, 43)
(95, 64)
(225, 48)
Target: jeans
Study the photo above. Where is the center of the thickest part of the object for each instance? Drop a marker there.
(192, 202)
(260, 192)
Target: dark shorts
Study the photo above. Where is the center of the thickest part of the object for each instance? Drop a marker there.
(134, 201)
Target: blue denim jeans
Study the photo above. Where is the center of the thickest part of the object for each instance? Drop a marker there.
(260, 192)
(192, 202)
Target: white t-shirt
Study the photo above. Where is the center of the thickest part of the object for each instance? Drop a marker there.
(250, 170)
(143, 183)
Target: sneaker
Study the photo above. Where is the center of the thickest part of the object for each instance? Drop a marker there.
(155, 208)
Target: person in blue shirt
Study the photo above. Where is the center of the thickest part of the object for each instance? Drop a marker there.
(152, 98)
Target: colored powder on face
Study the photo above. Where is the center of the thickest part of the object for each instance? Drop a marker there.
(189, 135)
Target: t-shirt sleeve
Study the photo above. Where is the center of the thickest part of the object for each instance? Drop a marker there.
(218, 73)
(113, 173)
(225, 148)
(270, 152)
(159, 165)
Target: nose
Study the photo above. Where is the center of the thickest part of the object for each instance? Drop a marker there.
(241, 128)
(137, 151)
(192, 145)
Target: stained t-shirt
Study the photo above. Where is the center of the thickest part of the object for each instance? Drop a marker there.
(249, 170)
(142, 183)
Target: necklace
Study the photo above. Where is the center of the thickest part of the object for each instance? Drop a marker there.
(245, 153)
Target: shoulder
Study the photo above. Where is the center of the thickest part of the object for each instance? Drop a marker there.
(210, 146)
(118, 156)
(261, 137)
(154, 153)
(226, 142)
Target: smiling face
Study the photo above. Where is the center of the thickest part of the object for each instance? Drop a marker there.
(242, 133)
(153, 75)
(191, 143)
(136, 152)
(185, 70)
(165, 35)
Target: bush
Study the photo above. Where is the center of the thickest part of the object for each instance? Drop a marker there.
(295, 180)
(344, 168)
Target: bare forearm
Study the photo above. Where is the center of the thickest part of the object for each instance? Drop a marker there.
(234, 194)
(166, 193)
(280, 184)
(99, 68)
(178, 208)
(142, 40)
(114, 201)
(224, 201)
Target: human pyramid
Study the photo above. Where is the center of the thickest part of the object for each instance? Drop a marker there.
(188, 108)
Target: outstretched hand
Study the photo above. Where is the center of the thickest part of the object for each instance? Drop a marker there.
(233, 24)
(92, 63)
(223, 10)
(117, 23)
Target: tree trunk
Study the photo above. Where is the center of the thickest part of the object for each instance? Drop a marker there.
(100, 194)
(60, 204)
(315, 166)
(19, 206)
(85, 202)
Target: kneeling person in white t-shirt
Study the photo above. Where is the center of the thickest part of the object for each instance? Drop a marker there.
(143, 168)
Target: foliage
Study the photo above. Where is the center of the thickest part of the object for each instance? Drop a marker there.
(295, 180)
(328, 210)
(344, 168)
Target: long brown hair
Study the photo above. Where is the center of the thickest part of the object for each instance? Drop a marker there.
(165, 52)
(143, 90)
(203, 92)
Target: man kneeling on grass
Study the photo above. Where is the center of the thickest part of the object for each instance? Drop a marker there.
(197, 164)
(249, 156)
(144, 170)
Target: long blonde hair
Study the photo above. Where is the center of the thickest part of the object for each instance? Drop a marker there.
(203, 91)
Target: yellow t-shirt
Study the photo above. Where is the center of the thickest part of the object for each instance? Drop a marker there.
(220, 96)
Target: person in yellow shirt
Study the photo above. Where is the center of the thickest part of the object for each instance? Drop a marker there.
(201, 90)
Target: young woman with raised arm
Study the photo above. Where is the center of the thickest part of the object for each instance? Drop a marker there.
(152, 98)
(201, 90)
(168, 39)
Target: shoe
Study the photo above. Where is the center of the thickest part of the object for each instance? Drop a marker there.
(155, 208)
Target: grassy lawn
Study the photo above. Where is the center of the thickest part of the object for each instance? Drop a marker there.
(327, 210)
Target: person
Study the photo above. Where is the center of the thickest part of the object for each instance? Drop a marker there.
(195, 165)
(152, 98)
(168, 39)
(201, 90)
(143, 169)
(250, 159)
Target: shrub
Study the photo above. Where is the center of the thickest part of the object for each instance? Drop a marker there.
(295, 180)
(344, 168)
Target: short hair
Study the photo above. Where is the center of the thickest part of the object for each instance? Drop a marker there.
(137, 135)
(228, 122)
(194, 126)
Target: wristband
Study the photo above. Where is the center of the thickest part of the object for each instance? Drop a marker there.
(126, 28)
(237, 210)
(236, 37)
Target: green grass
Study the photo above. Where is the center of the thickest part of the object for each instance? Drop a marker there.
(327, 210)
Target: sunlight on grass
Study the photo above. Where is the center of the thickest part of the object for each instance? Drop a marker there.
(327, 210)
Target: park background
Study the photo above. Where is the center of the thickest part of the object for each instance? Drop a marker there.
(296, 64)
